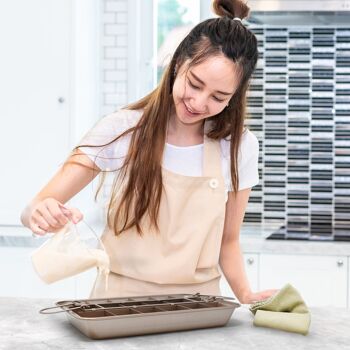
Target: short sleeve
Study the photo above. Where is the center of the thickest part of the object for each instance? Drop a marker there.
(111, 156)
(248, 162)
(248, 169)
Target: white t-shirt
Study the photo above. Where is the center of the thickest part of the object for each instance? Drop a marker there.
(182, 160)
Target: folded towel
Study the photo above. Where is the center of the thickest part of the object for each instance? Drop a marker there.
(285, 310)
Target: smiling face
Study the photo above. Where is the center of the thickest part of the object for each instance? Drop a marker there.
(205, 89)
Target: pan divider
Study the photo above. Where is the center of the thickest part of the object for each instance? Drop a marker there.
(135, 309)
(147, 309)
(93, 313)
(108, 312)
(148, 304)
(121, 311)
(173, 307)
(94, 307)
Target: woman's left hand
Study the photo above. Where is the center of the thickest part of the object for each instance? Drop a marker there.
(252, 297)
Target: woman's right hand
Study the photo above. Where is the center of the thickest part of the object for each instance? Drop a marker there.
(49, 215)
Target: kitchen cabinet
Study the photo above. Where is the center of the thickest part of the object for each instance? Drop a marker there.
(85, 281)
(348, 301)
(84, 284)
(251, 263)
(36, 43)
(19, 279)
(321, 280)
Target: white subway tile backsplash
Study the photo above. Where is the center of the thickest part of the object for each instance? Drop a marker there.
(122, 17)
(109, 64)
(116, 52)
(122, 41)
(116, 29)
(108, 87)
(114, 59)
(121, 63)
(109, 18)
(121, 87)
(112, 99)
(108, 109)
(109, 41)
(114, 64)
(116, 6)
(117, 75)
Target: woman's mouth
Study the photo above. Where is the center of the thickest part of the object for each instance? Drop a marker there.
(190, 112)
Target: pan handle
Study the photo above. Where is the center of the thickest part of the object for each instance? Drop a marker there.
(46, 311)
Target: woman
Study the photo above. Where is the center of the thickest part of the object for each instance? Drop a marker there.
(184, 167)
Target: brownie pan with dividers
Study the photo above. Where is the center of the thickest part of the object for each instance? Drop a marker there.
(128, 316)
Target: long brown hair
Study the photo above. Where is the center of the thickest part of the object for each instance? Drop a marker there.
(137, 190)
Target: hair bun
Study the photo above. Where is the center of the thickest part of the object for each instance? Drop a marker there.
(230, 8)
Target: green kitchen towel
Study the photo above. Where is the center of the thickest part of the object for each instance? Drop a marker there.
(285, 310)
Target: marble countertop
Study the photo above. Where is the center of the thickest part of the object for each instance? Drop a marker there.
(22, 327)
(261, 245)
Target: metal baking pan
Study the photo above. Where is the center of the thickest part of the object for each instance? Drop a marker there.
(128, 316)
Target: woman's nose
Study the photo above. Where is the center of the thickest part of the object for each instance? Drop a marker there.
(199, 103)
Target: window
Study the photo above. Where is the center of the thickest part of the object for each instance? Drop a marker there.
(155, 28)
(175, 19)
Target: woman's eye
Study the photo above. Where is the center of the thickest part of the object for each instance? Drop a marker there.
(194, 86)
(197, 87)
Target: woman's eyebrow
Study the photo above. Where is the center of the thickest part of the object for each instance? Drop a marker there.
(202, 82)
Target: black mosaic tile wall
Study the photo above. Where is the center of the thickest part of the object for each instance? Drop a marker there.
(299, 108)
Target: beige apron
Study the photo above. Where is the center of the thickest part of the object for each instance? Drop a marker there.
(184, 256)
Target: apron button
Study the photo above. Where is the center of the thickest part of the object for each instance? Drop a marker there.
(214, 183)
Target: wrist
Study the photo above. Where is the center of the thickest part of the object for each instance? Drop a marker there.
(245, 297)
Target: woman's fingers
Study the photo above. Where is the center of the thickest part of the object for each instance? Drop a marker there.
(271, 292)
(259, 296)
(265, 294)
(36, 228)
(56, 211)
(77, 215)
(49, 217)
